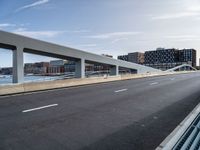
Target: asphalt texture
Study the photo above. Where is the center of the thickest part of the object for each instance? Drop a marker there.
(124, 115)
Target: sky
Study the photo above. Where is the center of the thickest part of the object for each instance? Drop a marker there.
(112, 27)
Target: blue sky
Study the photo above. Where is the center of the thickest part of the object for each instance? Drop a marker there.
(112, 27)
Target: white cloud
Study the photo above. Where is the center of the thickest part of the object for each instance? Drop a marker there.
(37, 34)
(79, 31)
(119, 39)
(176, 15)
(37, 3)
(189, 8)
(112, 35)
(183, 38)
(194, 8)
(20, 29)
(4, 25)
(192, 5)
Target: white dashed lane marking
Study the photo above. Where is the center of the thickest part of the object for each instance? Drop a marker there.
(154, 83)
(122, 90)
(38, 108)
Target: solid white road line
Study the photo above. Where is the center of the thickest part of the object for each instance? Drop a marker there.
(154, 83)
(122, 90)
(38, 108)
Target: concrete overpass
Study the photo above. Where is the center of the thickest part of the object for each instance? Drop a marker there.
(20, 44)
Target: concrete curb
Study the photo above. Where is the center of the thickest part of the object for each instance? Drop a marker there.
(173, 138)
(48, 85)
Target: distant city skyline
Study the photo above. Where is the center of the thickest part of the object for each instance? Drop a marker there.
(111, 27)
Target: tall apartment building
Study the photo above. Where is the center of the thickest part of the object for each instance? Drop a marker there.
(169, 58)
(188, 56)
(123, 57)
(162, 58)
(135, 57)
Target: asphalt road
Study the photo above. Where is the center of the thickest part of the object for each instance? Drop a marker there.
(124, 115)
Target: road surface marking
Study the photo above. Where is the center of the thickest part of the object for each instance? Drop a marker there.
(154, 83)
(122, 90)
(38, 108)
(172, 79)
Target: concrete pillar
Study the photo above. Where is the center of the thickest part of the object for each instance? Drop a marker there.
(80, 68)
(18, 65)
(114, 70)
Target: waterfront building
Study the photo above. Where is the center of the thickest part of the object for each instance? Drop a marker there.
(135, 57)
(188, 56)
(69, 66)
(123, 57)
(39, 68)
(169, 58)
(6, 71)
(56, 67)
(162, 58)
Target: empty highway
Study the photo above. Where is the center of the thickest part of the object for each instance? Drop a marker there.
(124, 115)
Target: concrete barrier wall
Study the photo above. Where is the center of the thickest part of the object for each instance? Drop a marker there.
(11, 89)
(39, 86)
(171, 140)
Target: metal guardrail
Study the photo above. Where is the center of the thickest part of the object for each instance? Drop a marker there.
(191, 138)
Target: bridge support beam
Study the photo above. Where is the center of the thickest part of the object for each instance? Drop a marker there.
(80, 68)
(114, 70)
(18, 65)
